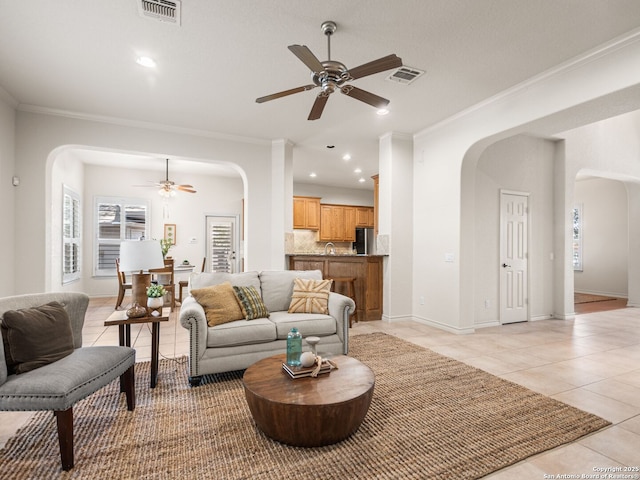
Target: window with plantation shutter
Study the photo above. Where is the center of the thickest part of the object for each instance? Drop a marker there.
(117, 220)
(71, 236)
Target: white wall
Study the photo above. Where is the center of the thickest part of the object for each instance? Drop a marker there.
(335, 195)
(608, 149)
(7, 196)
(215, 196)
(523, 164)
(41, 137)
(605, 237)
(597, 85)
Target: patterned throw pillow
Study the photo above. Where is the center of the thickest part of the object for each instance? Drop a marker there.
(251, 303)
(219, 302)
(310, 296)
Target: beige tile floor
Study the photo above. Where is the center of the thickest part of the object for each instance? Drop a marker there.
(592, 362)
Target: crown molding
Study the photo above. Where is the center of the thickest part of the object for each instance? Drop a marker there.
(6, 96)
(589, 56)
(140, 124)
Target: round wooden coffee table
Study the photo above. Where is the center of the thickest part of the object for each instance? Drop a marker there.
(308, 412)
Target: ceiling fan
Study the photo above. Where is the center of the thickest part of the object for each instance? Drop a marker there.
(169, 188)
(331, 75)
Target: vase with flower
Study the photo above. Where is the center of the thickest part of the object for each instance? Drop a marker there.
(155, 299)
(165, 244)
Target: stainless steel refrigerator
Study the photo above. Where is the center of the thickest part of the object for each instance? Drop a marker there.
(365, 243)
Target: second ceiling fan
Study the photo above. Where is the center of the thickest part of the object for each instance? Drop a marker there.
(332, 75)
(169, 188)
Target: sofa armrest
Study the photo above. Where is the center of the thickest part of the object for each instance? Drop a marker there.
(193, 318)
(340, 307)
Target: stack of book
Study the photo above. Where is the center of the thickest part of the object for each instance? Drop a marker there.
(300, 372)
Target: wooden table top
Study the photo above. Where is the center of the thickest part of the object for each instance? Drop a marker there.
(266, 379)
(119, 317)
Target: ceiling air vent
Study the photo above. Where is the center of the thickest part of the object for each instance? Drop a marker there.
(405, 75)
(164, 10)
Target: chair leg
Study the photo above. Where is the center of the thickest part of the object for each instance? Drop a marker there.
(120, 298)
(129, 380)
(64, 419)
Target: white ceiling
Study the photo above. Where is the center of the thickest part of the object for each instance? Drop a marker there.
(79, 56)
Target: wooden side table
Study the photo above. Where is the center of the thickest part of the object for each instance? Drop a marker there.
(119, 317)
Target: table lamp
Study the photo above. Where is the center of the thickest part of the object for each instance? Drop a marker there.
(136, 257)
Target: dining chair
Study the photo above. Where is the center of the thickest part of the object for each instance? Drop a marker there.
(165, 277)
(185, 283)
(123, 285)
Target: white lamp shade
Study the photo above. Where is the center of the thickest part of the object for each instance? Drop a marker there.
(140, 255)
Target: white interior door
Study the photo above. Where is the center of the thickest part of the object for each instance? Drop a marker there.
(222, 244)
(514, 257)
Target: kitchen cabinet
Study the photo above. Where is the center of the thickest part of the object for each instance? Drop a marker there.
(337, 223)
(364, 217)
(366, 269)
(306, 213)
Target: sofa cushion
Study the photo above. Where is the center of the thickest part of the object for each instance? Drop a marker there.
(250, 303)
(241, 279)
(241, 332)
(34, 337)
(307, 324)
(310, 296)
(219, 302)
(277, 286)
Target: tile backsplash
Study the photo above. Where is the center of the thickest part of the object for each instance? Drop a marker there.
(306, 241)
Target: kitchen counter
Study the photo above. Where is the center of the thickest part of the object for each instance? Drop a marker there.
(366, 269)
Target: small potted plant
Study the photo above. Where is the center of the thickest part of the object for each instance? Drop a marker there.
(154, 298)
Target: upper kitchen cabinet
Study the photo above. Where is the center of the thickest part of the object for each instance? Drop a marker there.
(306, 213)
(364, 217)
(337, 223)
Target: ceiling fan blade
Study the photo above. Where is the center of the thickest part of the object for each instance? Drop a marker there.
(364, 96)
(307, 57)
(284, 93)
(318, 106)
(185, 188)
(380, 65)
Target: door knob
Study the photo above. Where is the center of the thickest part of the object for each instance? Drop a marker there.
(504, 265)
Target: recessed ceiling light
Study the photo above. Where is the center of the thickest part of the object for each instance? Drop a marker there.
(382, 111)
(346, 157)
(313, 174)
(362, 180)
(146, 62)
(357, 170)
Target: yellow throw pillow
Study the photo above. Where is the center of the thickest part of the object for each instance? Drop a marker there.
(310, 296)
(219, 302)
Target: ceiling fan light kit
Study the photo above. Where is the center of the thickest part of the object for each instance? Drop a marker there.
(167, 187)
(332, 75)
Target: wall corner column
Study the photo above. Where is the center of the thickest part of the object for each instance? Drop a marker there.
(395, 223)
(282, 199)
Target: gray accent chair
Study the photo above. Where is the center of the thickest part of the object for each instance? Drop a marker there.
(59, 385)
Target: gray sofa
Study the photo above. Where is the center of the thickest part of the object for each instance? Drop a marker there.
(237, 345)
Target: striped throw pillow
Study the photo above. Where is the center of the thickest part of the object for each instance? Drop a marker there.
(251, 303)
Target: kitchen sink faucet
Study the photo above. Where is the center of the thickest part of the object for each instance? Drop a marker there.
(333, 249)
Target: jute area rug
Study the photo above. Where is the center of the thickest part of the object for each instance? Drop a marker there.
(430, 417)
